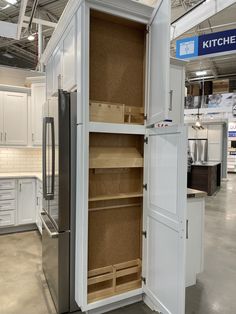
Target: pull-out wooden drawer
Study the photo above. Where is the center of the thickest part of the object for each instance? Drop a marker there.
(7, 184)
(7, 195)
(7, 205)
(7, 218)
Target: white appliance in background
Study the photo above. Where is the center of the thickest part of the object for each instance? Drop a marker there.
(198, 149)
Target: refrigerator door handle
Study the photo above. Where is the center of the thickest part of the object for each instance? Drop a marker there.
(45, 158)
(51, 234)
(53, 157)
(48, 195)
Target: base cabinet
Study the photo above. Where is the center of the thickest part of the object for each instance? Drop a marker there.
(39, 203)
(26, 201)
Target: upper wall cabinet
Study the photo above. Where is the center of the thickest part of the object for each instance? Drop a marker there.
(177, 91)
(159, 64)
(57, 69)
(69, 57)
(38, 100)
(15, 117)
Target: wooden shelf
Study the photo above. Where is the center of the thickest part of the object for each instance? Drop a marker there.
(115, 207)
(114, 157)
(114, 279)
(115, 196)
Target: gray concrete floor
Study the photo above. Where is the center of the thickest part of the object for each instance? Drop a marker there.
(23, 288)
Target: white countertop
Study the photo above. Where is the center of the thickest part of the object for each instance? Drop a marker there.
(191, 193)
(14, 175)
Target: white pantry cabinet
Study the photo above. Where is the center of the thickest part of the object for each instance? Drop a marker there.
(26, 201)
(131, 176)
(38, 98)
(14, 118)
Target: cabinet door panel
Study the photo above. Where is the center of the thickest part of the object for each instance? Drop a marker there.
(49, 77)
(38, 100)
(159, 63)
(164, 219)
(177, 85)
(69, 58)
(1, 119)
(15, 118)
(57, 69)
(26, 202)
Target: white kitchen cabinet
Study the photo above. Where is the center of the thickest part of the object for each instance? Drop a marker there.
(57, 69)
(7, 203)
(39, 205)
(38, 98)
(26, 201)
(1, 119)
(131, 180)
(177, 91)
(69, 57)
(15, 115)
(7, 218)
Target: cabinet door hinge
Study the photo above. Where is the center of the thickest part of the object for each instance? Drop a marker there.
(143, 279)
(145, 186)
(146, 140)
(145, 117)
(147, 30)
(144, 233)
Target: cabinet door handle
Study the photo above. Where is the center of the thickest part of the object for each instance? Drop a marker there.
(171, 100)
(187, 229)
(1, 136)
(5, 136)
(59, 81)
(37, 200)
(20, 187)
(32, 137)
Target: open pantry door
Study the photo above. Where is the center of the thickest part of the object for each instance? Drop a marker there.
(165, 219)
(159, 63)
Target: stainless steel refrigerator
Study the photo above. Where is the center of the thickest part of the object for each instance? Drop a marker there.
(59, 194)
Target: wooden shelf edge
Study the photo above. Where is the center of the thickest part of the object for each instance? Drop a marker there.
(114, 197)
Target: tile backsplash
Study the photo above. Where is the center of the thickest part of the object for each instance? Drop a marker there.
(20, 160)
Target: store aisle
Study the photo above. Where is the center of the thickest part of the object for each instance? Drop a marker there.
(23, 288)
(215, 289)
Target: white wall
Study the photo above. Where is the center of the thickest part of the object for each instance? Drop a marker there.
(15, 76)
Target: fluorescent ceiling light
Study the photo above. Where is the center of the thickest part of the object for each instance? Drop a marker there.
(201, 73)
(8, 55)
(11, 1)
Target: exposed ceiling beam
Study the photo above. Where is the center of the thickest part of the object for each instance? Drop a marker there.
(40, 21)
(198, 15)
(23, 6)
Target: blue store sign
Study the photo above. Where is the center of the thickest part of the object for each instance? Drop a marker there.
(193, 47)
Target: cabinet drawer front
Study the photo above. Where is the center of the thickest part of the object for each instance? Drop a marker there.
(7, 184)
(7, 195)
(8, 205)
(7, 218)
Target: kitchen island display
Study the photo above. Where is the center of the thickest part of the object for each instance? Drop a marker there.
(206, 176)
